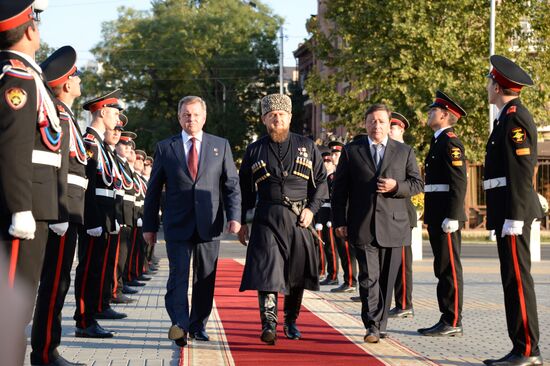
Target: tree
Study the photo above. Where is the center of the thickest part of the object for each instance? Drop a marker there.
(222, 50)
(401, 52)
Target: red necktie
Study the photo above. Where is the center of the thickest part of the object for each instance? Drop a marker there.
(193, 160)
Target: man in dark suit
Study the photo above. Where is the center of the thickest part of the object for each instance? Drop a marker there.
(201, 181)
(512, 204)
(444, 213)
(374, 179)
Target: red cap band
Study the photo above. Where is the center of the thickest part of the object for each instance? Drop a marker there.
(336, 148)
(449, 107)
(505, 83)
(97, 106)
(16, 20)
(125, 138)
(395, 121)
(60, 80)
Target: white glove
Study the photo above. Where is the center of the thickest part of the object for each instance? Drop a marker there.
(95, 231)
(117, 228)
(60, 228)
(449, 225)
(318, 227)
(512, 227)
(139, 222)
(22, 225)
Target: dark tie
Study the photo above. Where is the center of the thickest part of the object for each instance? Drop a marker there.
(377, 155)
(193, 160)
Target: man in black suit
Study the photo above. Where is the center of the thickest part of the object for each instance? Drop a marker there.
(201, 182)
(374, 179)
(512, 204)
(444, 214)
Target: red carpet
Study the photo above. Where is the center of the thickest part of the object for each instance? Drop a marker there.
(321, 344)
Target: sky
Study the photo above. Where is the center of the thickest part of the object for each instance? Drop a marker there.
(78, 23)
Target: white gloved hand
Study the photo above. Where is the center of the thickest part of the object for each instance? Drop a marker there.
(117, 228)
(512, 227)
(95, 231)
(449, 225)
(59, 228)
(139, 222)
(22, 225)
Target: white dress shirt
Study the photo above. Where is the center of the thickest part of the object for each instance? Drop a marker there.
(384, 143)
(187, 143)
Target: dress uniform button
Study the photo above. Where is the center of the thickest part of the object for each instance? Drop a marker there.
(285, 173)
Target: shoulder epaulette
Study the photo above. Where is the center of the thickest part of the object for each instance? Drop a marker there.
(451, 134)
(16, 68)
(89, 138)
(512, 109)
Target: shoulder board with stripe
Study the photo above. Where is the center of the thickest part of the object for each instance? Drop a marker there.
(18, 74)
(451, 134)
(17, 64)
(89, 138)
(512, 109)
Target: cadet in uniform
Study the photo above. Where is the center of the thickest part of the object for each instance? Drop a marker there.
(404, 282)
(323, 223)
(123, 150)
(285, 171)
(63, 78)
(445, 189)
(30, 152)
(99, 214)
(345, 251)
(512, 205)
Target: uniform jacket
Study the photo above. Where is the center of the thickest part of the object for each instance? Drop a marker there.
(192, 205)
(29, 151)
(445, 165)
(128, 199)
(99, 210)
(511, 153)
(368, 215)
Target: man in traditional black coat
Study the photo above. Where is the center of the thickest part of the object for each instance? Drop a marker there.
(284, 172)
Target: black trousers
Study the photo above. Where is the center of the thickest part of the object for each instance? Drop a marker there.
(25, 259)
(520, 301)
(107, 273)
(121, 257)
(348, 261)
(404, 282)
(91, 251)
(448, 271)
(331, 252)
(55, 281)
(378, 268)
(130, 267)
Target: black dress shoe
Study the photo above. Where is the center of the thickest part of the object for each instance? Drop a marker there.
(176, 332)
(344, 288)
(269, 333)
(401, 313)
(144, 278)
(355, 298)
(328, 281)
(181, 342)
(135, 283)
(122, 299)
(291, 330)
(384, 335)
(512, 359)
(59, 361)
(441, 330)
(201, 335)
(109, 313)
(373, 335)
(128, 290)
(93, 331)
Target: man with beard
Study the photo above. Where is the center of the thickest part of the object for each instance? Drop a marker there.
(285, 172)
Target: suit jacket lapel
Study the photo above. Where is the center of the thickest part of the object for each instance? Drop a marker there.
(365, 153)
(177, 148)
(388, 156)
(205, 150)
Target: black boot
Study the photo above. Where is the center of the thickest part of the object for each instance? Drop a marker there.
(293, 302)
(268, 316)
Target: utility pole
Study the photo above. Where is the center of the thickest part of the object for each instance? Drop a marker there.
(491, 53)
(281, 60)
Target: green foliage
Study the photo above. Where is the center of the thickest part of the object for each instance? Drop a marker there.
(400, 52)
(211, 48)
